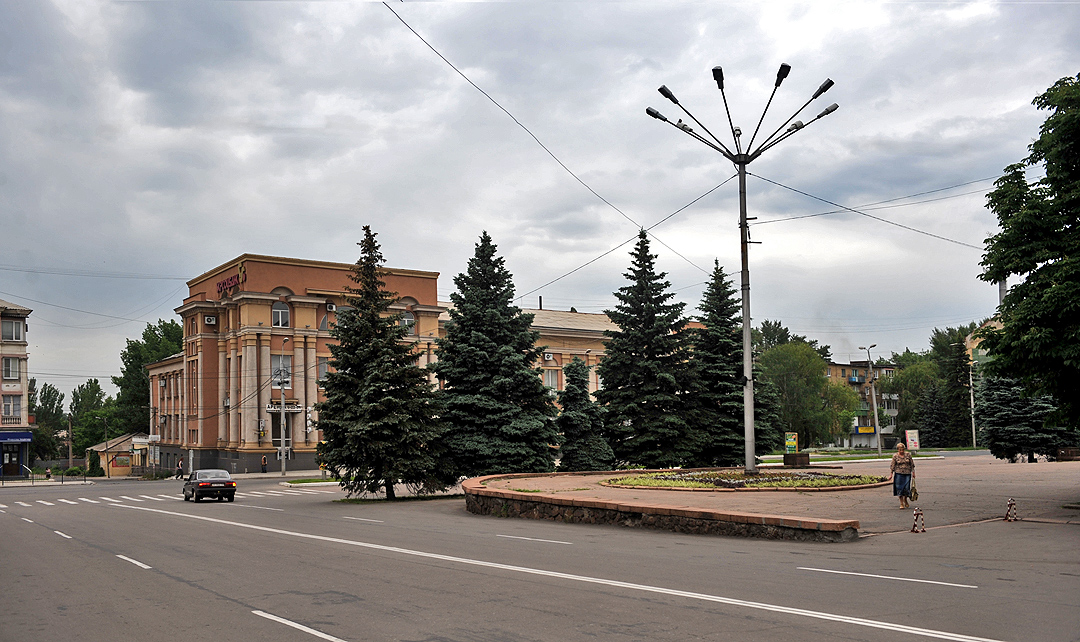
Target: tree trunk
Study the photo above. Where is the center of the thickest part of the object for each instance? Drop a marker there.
(389, 485)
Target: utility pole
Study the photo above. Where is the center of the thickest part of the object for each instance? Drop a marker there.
(283, 450)
(873, 393)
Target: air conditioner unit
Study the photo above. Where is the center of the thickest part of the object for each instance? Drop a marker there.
(210, 320)
(225, 402)
(330, 307)
(548, 356)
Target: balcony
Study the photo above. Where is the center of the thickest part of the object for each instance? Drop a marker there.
(856, 379)
(11, 420)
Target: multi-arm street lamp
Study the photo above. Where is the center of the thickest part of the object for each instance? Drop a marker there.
(873, 393)
(741, 158)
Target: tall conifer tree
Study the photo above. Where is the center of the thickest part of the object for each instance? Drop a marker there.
(1013, 423)
(645, 371)
(380, 418)
(718, 358)
(497, 409)
(581, 424)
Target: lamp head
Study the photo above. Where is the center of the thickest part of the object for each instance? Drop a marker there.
(825, 86)
(828, 110)
(666, 93)
(655, 114)
(718, 76)
(785, 69)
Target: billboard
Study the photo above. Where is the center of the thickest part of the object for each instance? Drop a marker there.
(912, 438)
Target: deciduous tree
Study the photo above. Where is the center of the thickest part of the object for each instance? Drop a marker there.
(798, 372)
(160, 340)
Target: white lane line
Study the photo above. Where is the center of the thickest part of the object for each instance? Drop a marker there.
(361, 519)
(110, 499)
(300, 627)
(533, 539)
(256, 493)
(42, 501)
(62, 535)
(179, 499)
(89, 501)
(24, 504)
(68, 501)
(135, 562)
(3, 505)
(273, 492)
(730, 601)
(885, 577)
(156, 499)
(130, 499)
(28, 520)
(280, 510)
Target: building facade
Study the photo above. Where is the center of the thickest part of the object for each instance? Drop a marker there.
(15, 432)
(858, 375)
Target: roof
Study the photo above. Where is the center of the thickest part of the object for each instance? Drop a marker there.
(117, 443)
(556, 319)
(17, 310)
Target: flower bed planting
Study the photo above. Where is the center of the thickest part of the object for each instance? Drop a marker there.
(737, 479)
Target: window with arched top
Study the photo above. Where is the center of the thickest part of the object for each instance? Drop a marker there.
(324, 322)
(279, 315)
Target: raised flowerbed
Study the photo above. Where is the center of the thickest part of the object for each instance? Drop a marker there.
(740, 480)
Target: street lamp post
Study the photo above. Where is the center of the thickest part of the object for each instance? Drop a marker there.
(283, 449)
(741, 158)
(873, 394)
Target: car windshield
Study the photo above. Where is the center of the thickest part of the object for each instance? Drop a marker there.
(213, 474)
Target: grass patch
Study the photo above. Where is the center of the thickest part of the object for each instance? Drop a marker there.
(739, 479)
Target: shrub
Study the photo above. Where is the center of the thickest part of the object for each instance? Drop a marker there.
(74, 471)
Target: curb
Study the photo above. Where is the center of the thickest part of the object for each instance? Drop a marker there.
(507, 503)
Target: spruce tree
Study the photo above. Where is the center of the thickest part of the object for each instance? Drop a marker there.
(1013, 423)
(581, 424)
(717, 356)
(931, 417)
(380, 418)
(497, 409)
(645, 371)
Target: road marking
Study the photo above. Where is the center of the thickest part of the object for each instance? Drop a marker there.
(28, 520)
(361, 519)
(885, 577)
(300, 627)
(179, 499)
(533, 539)
(67, 501)
(110, 499)
(42, 501)
(273, 492)
(24, 504)
(89, 501)
(3, 505)
(257, 493)
(62, 535)
(280, 510)
(730, 601)
(156, 499)
(135, 562)
(130, 499)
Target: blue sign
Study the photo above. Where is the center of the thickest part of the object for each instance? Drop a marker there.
(16, 436)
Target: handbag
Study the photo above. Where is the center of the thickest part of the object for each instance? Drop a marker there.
(914, 492)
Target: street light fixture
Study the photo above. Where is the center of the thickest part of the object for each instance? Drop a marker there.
(741, 159)
(873, 393)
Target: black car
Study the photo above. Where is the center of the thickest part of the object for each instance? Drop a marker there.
(211, 482)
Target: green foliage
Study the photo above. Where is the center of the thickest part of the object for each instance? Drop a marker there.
(839, 405)
(581, 424)
(132, 399)
(773, 333)
(717, 357)
(93, 466)
(908, 383)
(74, 471)
(497, 409)
(380, 419)
(47, 406)
(91, 412)
(930, 418)
(738, 479)
(1013, 423)
(646, 370)
(797, 371)
(1039, 241)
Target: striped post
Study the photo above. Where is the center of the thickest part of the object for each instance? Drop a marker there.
(1010, 511)
(918, 524)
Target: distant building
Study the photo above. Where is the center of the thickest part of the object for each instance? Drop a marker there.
(15, 432)
(858, 374)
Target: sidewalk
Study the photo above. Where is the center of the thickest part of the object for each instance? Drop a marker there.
(952, 490)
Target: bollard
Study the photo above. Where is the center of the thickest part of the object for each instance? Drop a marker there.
(1010, 511)
(919, 524)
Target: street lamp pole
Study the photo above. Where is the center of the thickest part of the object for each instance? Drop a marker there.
(873, 394)
(282, 450)
(741, 159)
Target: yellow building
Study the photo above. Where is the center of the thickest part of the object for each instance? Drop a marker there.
(858, 375)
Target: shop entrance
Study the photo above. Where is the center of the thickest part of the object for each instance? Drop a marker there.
(12, 466)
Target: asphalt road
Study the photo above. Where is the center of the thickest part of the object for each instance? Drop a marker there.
(296, 565)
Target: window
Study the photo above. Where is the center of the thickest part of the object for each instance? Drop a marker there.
(551, 378)
(324, 323)
(12, 330)
(11, 367)
(408, 319)
(281, 371)
(322, 366)
(13, 405)
(279, 315)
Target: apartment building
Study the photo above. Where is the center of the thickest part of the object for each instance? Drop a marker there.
(858, 375)
(14, 390)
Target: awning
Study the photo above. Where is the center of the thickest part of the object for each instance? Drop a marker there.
(16, 436)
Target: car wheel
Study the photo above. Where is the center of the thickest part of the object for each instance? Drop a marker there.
(232, 498)
(219, 498)
(194, 496)
(186, 498)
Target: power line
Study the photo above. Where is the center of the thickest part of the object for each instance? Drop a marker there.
(92, 273)
(876, 218)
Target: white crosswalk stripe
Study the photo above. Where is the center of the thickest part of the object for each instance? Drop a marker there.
(2, 506)
(88, 501)
(130, 498)
(110, 499)
(67, 501)
(156, 499)
(24, 504)
(42, 501)
(171, 497)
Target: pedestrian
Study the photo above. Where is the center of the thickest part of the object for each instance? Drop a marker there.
(902, 471)
(264, 463)
(48, 472)
(179, 469)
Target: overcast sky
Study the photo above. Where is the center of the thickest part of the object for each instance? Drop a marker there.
(143, 143)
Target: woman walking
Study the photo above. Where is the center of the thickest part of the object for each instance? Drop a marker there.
(902, 470)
